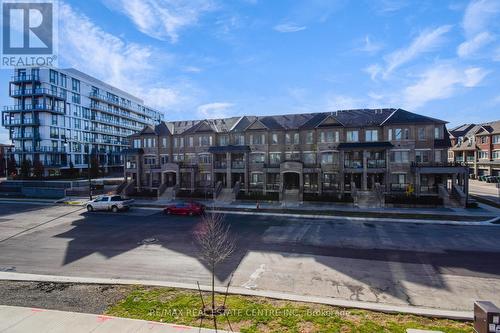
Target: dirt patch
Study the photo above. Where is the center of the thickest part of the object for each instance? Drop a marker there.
(87, 298)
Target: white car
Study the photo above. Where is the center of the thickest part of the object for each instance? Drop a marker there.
(114, 203)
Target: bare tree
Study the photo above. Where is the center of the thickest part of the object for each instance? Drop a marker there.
(216, 244)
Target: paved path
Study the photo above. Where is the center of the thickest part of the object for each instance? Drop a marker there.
(18, 319)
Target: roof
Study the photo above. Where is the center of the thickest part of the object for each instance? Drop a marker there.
(401, 116)
(346, 118)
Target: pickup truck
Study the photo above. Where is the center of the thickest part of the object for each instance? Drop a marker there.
(113, 203)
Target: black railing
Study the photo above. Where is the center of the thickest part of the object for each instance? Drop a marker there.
(375, 164)
(353, 164)
(399, 187)
(438, 164)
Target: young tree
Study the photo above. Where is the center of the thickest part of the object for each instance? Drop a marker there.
(38, 169)
(216, 244)
(25, 168)
(94, 166)
(11, 166)
(72, 171)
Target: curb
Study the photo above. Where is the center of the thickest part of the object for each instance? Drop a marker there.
(386, 308)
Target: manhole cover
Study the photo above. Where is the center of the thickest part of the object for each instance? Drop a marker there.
(147, 241)
(8, 269)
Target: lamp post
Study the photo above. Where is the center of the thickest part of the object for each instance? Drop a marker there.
(89, 155)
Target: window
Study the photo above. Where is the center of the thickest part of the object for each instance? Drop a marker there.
(164, 142)
(400, 134)
(75, 98)
(204, 158)
(421, 156)
(309, 158)
(327, 158)
(205, 140)
(257, 158)
(274, 139)
(223, 140)
(257, 139)
(437, 156)
(352, 136)
(63, 80)
(274, 158)
(257, 178)
(75, 85)
(53, 77)
(310, 137)
(496, 155)
(496, 138)
(178, 142)
(328, 136)
(483, 154)
(401, 156)
(484, 139)
(421, 133)
(438, 132)
(54, 119)
(292, 138)
(371, 135)
(239, 139)
(399, 178)
(137, 143)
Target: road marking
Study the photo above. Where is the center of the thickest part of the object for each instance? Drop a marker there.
(257, 274)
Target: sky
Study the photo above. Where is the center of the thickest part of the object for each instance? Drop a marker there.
(197, 59)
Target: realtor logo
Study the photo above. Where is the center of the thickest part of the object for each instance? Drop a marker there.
(29, 33)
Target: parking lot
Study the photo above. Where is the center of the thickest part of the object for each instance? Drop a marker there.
(444, 266)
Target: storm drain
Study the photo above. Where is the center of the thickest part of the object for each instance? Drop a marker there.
(149, 241)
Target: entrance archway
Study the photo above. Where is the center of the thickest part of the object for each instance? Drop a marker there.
(291, 181)
(170, 178)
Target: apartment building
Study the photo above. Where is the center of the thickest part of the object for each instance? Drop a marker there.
(61, 116)
(319, 154)
(4, 155)
(477, 145)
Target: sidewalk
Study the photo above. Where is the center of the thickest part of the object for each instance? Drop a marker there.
(18, 319)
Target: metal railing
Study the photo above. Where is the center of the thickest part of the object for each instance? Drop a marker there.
(353, 164)
(399, 187)
(375, 164)
(25, 78)
(38, 91)
(238, 164)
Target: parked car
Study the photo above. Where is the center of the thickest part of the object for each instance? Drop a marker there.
(114, 203)
(185, 208)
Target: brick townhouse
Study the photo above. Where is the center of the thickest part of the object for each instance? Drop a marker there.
(478, 145)
(330, 154)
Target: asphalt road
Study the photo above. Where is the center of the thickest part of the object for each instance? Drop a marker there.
(440, 266)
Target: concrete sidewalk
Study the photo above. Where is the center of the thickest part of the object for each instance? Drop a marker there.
(372, 306)
(19, 319)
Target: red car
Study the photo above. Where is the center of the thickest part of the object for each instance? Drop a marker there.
(185, 208)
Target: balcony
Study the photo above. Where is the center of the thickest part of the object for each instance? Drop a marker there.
(38, 92)
(376, 164)
(25, 78)
(238, 164)
(399, 187)
(26, 136)
(35, 108)
(116, 102)
(104, 109)
(53, 150)
(256, 186)
(19, 122)
(220, 164)
(273, 187)
(353, 164)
